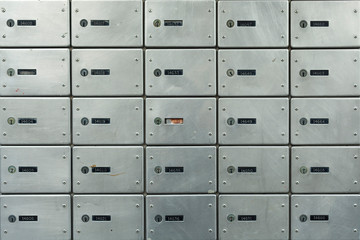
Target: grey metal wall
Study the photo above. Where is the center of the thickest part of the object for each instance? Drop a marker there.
(179, 119)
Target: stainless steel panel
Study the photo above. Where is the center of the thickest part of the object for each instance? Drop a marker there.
(108, 169)
(253, 23)
(253, 72)
(109, 72)
(325, 72)
(35, 121)
(181, 74)
(108, 120)
(253, 169)
(109, 217)
(253, 121)
(40, 217)
(180, 121)
(342, 211)
(325, 24)
(325, 169)
(35, 72)
(35, 169)
(179, 217)
(325, 121)
(180, 23)
(181, 169)
(115, 23)
(253, 217)
(33, 23)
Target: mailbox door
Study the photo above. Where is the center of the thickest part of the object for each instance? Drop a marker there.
(35, 72)
(253, 121)
(180, 121)
(325, 121)
(253, 73)
(108, 121)
(36, 120)
(253, 169)
(110, 217)
(107, 72)
(114, 23)
(107, 169)
(179, 73)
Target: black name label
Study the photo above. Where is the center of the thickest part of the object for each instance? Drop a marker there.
(246, 23)
(174, 218)
(100, 71)
(27, 120)
(319, 72)
(246, 218)
(26, 71)
(101, 169)
(28, 169)
(28, 218)
(173, 23)
(100, 121)
(100, 22)
(247, 169)
(246, 120)
(319, 169)
(319, 23)
(319, 121)
(319, 217)
(174, 169)
(101, 218)
(26, 23)
(246, 72)
(174, 72)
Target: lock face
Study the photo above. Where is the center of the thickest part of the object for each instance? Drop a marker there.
(85, 218)
(157, 72)
(230, 23)
(84, 72)
(230, 121)
(83, 22)
(157, 23)
(10, 23)
(231, 217)
(231, 169)
(158, 169)
(84, 121)
(303, 121)
(303, 24)
(303, 218)
(303, 170)
(12, 218)
(12, 169)
(230, 72)
(158, 218)
(85, 170)
(303, 73)
(10, 72)
(11, 121)
(105, 213)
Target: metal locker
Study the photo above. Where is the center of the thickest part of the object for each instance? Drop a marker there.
(253, 217)
(108, 121)
(35, 169)
(36, 120)
(109, 217)
(108, 169)
(179, 217)
(180, 121)
(253, 72)
(40, 217)
(177, 72)
(253, 23)
(171, 24)
(35, 72)
(325, 217)
(253, 121)
(325, 121)
(253, 169)
(34, 23)
(107, 72)
(107, 23)
(181, 169)
(325, 169)
(325, 24)
(325, 72)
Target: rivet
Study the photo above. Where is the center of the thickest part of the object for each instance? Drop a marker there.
(4, 60)
(355, 108)
(78, 205)
(355, 156)
(151, 157)
(355, 182)
(224, 134)
(209, 108)
(297, 182)
(210, 230)
(78, 231)
(64, 133)
(282, 36)
(296, 37)
(150, 10)
(209, 36)
(355, 36)
(210, 85)
(4, 133)
(355, 60)
(224, 109)
(77, 36)
(355, 230)
(224, 230)
(78, 182)
(223, 85)
(77, 157)
(77, 10)
(4, 36)
(296, 11)
(5, 157)
(296, 157)
(5, 206)
(137, 182)
(151, 182)
(64, 182)
(355, 11)
(151, 205)
(282, 85)
(5, 182)
(224, 182)
(210, 182)
(210, 134)
(209, 59)
(151, 231)
(355, 133)
(77, 109)
(77, 60)
(283, 156)
(282, 230)
(137, 156)
(282, 134)
(210, 157)
(3, 9)
(223, 11)
(64, 156)
(150, 36)
(223, 37)
(355, 205)
(210, 205)
(224, 157)
(137, 205)
(282, 205)
(296, 109)
(224, 205)
(137, 230)
(151, 134)
(282, 182)
(282, 108)
(297, 86)
(63, 10)
(64, 205)
(296, 205)
(355, 85)
(209, 10)
(5, 231)
(63, 108)
(64, 231)
(63, 85)
(296, 230)
(4, 108)
(136, 36)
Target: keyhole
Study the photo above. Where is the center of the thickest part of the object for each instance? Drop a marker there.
(231, 169)
(12, 169)
(303, 121)
(230, 72)
(303, 24)
(303, 170)
(157, 72)
(158, 218)
(83, 22)
(231, 217)
(158, 169)
(303, 73)
(11, 121)
(84, 121)
(85, 170)
(10, 23)
(12, 218)
(84, 72)
(10, 72)
(157, 23)
(85, 218)
(230, 121)
(230, 23)
(157, 121)
(303, 218)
